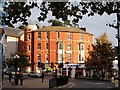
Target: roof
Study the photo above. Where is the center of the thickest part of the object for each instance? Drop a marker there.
(33, 27)
(15, 32)
(62, 29)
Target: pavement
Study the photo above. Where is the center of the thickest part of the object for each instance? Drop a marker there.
(33, 83)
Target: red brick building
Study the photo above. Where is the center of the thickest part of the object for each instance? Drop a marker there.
(57, 44)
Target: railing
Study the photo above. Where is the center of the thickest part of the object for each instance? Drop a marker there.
(59, 81)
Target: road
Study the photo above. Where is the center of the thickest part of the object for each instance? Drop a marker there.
(28, 83)
(76, 83)
(82, 83)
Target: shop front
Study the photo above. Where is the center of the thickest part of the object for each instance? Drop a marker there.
(74, 70)
(78, 72)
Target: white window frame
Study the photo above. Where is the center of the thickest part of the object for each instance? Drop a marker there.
(82, 47)
(29, 47)
(47, 58)
(79, 57)
(38, 57)
(47, 35)
(79, 46)
(81, 37)
(69, 47)
(69, 57)
(60, 46)
(69, 35)
(39, 35)
(58, 35)
(47, 46)
(88, 47)
(39, 46)
(60, 57)
(88, 38)
(29, 36)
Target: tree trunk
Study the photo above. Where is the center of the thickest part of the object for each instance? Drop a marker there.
(103, 74)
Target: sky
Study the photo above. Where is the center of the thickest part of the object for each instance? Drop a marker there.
(95, 24)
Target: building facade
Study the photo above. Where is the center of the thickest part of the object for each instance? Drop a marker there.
(57, 44)
(13, 41)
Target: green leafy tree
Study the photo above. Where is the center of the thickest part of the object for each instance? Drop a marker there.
(55, 22)
(18, 62)
(62, 10)
(102, 55)
(59, 23)
(67, 23)
(20, 11)
(21, 27)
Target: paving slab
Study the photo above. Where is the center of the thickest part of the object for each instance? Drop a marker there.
(33, 83)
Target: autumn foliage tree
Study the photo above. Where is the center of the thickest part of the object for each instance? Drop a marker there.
(102, 55)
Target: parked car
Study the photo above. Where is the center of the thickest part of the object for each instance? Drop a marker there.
(34, 74)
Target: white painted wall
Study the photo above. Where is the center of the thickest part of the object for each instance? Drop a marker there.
(11, 46)
(22, 37)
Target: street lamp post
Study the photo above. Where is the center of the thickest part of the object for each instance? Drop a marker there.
(16, 57)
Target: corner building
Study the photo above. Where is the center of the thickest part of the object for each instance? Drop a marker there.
(58, 44)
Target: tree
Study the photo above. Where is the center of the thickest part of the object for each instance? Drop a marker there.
(20, 11)
(20, 62)
(67, 23)
(102, 55)
(59, 23)
(21, 27)
(62, 10)
(55, 22)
